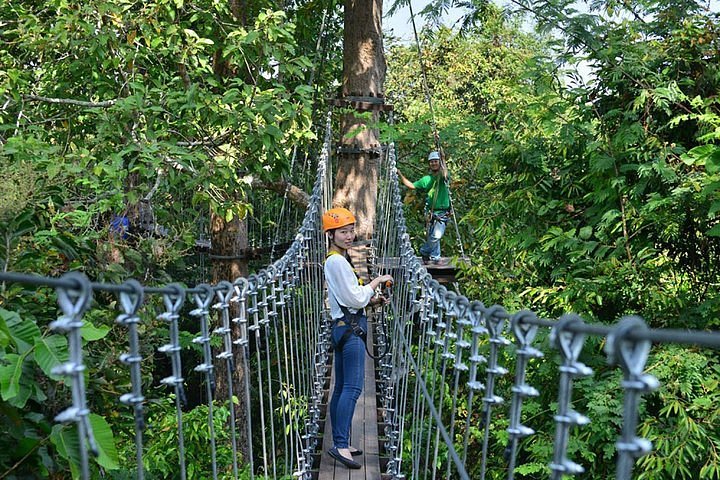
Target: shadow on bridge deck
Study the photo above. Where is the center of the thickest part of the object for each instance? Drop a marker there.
(364, 434)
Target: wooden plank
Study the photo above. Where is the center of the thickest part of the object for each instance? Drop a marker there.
(363, 433)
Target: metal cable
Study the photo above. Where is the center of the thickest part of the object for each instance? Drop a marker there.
(130, 304)
(203, 299)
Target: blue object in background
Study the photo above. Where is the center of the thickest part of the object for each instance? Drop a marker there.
(120, 225)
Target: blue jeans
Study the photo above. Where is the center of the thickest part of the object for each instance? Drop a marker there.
(431, 248)
(349, 380)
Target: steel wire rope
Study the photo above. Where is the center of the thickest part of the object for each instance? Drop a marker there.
(317, 357)
(272, 321)
(432, 352)
(407, 327)
(442, 327)
(255, 329)
(300, 329)
(202, 301)
(405, 344)
(392, 402)
(495, 318)
(265, 326)
(130, 303)
(382, 242)
(296, 347)
(417, 424)
(451, 319)
(285, 391)
(280, 365)
(475, 359)
(223, 305)
(300, 282)
(244, 343)
(402, 323)
(379, 250)
(460, 322)
(289, 349)
(173, 304)
(423, 354)
(303, 329)
(700, 338)
(436, 135)
(309, 330)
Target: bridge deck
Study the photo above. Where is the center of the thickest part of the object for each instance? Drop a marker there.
(364, 434)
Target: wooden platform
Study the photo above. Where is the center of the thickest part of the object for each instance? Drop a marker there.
(364, 434)
(442, 273)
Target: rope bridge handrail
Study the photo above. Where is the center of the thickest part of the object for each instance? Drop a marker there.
(280, 336)
(447, 349)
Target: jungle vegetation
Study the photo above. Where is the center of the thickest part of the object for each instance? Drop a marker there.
(583, 139)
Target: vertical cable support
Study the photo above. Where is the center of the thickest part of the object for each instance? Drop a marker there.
(130, 304)
(224, 294)
(632, 356)
(570, 344)
(241, 287)
(173, 303)
(495, 317)
(203, 299)
(524, 335)
(74, 302)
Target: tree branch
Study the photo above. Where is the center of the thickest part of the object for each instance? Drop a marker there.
(70, 101)
(282, 187)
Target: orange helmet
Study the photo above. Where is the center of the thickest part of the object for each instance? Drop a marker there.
(336, 218)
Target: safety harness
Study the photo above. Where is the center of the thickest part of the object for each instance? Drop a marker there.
(351, 318)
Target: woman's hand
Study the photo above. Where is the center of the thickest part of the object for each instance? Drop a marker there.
(384, 279)
(381, 280)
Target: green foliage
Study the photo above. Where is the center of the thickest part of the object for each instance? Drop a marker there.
(158, 112)
(27, 359)
(684, 425)
(152, 111)
(599, 198)
(161, 451)
(68, 444)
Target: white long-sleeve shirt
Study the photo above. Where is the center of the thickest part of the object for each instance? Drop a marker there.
(343, 287)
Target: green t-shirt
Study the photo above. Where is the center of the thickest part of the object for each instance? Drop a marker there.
(432, 184)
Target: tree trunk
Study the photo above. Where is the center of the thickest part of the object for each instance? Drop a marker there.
(356, 182)
(230, 239)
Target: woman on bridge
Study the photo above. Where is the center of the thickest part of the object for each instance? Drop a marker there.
(347, 297)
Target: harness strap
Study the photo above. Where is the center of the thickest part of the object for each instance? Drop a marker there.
(354, 328)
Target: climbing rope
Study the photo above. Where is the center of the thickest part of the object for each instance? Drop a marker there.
(436, 135)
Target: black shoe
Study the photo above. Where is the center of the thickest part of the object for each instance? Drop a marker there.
(355, 453)
(333, 452)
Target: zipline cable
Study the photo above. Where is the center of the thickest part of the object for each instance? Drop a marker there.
(436, 134)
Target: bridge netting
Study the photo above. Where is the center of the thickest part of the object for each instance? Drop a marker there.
(447, 366)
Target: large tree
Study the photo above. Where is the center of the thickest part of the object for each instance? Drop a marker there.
(363, 80)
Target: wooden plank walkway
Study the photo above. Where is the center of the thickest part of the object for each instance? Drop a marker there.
(364, 434)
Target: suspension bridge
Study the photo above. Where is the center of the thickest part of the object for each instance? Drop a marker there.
(447, 366)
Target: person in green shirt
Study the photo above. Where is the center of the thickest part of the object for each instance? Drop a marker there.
(437, 205)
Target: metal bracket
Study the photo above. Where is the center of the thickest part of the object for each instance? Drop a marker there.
(362, 103)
